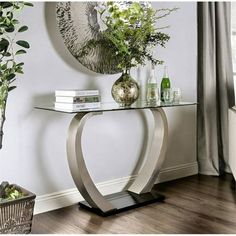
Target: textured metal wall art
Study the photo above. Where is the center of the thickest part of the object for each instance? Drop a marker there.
(78, 23)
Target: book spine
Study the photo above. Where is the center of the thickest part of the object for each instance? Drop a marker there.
(87, 105)
(77, 93)
(68, 106)
(78, 99)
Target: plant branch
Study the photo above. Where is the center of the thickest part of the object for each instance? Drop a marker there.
(2, 121)
(168, 12)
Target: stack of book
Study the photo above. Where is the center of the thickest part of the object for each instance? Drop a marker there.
(74, 100)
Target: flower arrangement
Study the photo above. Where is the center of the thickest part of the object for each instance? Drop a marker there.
(129, 32)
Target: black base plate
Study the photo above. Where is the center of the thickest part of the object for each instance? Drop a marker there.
(124, 201)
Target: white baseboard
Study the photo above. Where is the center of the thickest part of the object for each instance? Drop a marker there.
(56, 200)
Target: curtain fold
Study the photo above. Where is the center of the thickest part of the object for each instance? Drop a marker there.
(215, 86)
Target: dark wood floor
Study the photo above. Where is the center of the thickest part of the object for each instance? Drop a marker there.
(196, 204)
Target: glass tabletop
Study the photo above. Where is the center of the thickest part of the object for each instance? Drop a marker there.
(112, 106)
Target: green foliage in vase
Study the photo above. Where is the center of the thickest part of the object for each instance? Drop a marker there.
(130, 32)
(10, 27)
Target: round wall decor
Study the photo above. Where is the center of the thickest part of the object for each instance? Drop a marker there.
(78, 23)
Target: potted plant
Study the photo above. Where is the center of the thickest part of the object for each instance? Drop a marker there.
(16, 209)
(131, 34)
(16, 203)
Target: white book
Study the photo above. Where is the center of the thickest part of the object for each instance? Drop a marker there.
(76, 93)
(77, 106)
(77, 99)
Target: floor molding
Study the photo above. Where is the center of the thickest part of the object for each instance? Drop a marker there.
(56, 200)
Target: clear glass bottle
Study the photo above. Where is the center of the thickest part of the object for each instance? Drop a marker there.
(165, 83)
(152, 95)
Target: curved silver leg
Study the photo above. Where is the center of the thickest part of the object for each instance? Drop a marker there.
(155, 154)
(77, 165)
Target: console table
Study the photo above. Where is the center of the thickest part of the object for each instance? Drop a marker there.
(140, 192)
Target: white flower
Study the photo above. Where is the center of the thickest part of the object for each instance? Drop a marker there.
(127, 42)
(133, 61)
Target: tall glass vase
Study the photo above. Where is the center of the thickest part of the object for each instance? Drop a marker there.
(125, 90)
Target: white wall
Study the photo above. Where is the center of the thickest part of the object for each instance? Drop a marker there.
(34, 151)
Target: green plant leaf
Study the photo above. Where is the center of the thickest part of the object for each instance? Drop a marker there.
(6, 4)
(20, 52)
(3, 25)
(6, 54)
(4, 43)
(16, 6)
(15, 21)
(23, 43)
(28, 4)
(19, 70)
(11, 88)
(23, 28)
(10, 28)
(10, 77)
(4, 67)
(20, 64)
(10, 15)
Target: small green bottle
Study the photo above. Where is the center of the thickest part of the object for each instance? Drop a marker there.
(165, 83)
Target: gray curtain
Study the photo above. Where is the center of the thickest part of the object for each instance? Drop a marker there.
(215, 85)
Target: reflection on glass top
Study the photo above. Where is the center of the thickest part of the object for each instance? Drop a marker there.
(112, 106)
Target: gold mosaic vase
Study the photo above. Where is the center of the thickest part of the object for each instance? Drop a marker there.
(125, 90)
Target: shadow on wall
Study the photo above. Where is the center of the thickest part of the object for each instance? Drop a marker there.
(182, 123)
(45, 99)
(57, 41)
(46, 119)
(46, 176)
(63, 52)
